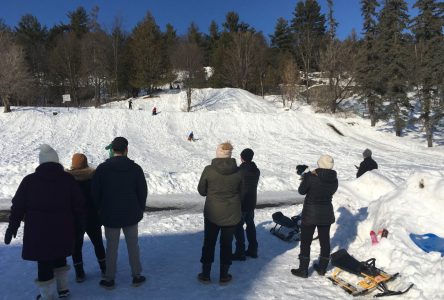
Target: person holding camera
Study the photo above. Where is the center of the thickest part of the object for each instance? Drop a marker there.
(317, 212)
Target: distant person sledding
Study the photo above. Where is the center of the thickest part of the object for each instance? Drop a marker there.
(367, 164)
(154, 111)
(191, 137)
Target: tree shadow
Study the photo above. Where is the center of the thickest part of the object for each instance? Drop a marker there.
(169, 261)
(347, 227)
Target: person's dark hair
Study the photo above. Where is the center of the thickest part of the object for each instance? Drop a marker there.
(119, 144)
(247, 154)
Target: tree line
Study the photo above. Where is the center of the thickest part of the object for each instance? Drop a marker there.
(396, 68)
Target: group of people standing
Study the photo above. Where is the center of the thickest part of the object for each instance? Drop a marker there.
(59, 206)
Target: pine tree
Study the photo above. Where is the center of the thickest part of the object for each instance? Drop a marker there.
(308, 26)
(429, 54)
(32, 36)
(282, 37)
(392, 47)
(231, 22)
(332, 24)
(150, 65)
(368, 76)
(79, 21)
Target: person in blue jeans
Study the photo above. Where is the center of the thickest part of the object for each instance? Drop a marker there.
(250, 177)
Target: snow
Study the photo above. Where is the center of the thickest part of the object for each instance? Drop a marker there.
(171, 240)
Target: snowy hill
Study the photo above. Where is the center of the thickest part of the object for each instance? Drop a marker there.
(387, 198)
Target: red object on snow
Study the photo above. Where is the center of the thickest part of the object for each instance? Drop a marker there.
(373, 237)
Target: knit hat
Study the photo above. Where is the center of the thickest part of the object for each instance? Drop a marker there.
(79, 161)
(224, 150)
(367, 153)
(47, 154)
(247, 154)
(325, 162)
(119, 144)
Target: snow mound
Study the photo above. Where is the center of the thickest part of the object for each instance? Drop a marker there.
(370, 186)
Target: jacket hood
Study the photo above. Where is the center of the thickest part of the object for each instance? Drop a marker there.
(49, 170)
(327, 175)
(119, 163)
(248, 166)
(224, 166)
(82, 174)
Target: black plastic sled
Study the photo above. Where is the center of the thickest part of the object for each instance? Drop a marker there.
(285, 228)
(369, 276)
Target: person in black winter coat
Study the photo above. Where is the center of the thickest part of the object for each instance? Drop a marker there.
(367, 164)
(49, 202)
(83, 174)
(250, 177)
(317, 212)
(119, 191)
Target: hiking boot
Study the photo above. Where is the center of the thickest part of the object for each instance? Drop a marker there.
(204, 277)
(107, 284)
(64, 293)
(138, 280)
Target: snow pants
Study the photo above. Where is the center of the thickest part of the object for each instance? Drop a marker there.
(211, 232)
(307, 232)
(46, 268)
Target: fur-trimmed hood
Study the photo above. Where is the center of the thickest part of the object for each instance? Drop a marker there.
(82, 174)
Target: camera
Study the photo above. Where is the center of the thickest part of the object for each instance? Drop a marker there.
(300, 169)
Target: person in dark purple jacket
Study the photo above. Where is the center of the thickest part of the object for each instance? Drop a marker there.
(48, 201)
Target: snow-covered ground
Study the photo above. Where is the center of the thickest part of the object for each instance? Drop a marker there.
(171, 240)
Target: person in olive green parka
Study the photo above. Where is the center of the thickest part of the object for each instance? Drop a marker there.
(220, 182)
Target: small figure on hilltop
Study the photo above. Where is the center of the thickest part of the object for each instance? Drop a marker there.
(250, 178)
(50, 202)
(154, 111)
(83, 175)
(367, 164)
(130, 104)
(191, 137)
(317, 213)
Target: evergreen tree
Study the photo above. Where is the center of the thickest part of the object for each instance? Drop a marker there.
(150, 63)
(231, 22)
(79, 21)
(392, 47)
(429, 45)
(31, 36)
(194, 35)
(282, 36)
(308, 26)
(332, 24)
(369, 67)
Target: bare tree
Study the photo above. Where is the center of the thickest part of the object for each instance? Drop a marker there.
(188, 58)
(290, 80)
(241, 59)
(65, 63)
(338, 61)
(15, 79)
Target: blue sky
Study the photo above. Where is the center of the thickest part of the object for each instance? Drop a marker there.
(261, 14)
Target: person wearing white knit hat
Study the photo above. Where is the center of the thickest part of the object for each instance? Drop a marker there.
(49, 201)
(220, 183)
(317, 212)
(47, 154)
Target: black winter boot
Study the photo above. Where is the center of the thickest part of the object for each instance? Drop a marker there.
(204, 277)
(225, 277)
(302, 271)
(80, 273)
(321, 268)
